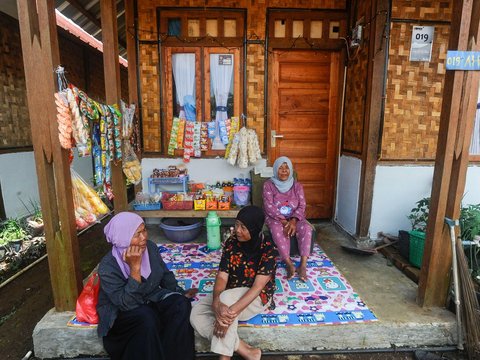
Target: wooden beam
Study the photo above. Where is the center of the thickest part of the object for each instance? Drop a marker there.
(112, 88)
(38, 32)
(77, 5)
(456, 123)
(132, 66)
(376, 82)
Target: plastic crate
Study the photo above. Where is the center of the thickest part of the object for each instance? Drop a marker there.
(177, 205)
(417, 244)
(141, 207)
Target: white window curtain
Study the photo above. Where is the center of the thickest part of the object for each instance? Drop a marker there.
(221, 79)
(475, 144)
(183, 66)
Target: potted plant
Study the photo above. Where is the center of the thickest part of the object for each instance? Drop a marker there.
(411, 243)
(34, 220)
(12, 234)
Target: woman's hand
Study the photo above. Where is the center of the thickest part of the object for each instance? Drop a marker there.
(219, 330)
(133, 257)
(223, 314)
(190, 293)
(290, 227)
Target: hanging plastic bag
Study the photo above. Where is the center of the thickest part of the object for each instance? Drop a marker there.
(86, 309)
(88, 205)
(130, 164)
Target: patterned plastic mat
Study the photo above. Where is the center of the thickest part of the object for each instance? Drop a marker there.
(326, 298)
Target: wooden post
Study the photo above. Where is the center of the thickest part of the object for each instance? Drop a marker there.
(132, 64)
(111, 67)
(376, 83)
(451, 162)
(38, 32)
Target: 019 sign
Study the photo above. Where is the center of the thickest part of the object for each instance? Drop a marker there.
(422, 39)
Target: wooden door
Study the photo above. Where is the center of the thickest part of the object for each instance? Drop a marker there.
(303, 116)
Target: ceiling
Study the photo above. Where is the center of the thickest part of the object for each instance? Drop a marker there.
(84, 13)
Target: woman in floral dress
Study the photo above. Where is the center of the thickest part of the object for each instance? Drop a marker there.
(244, 287)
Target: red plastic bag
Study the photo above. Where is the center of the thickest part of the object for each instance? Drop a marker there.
(87, 301)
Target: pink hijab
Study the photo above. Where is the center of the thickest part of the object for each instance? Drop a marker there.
(119, 232)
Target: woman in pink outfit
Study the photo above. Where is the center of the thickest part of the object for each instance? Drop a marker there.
(284, 205)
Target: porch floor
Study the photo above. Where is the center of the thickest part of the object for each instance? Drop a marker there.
(385, 290)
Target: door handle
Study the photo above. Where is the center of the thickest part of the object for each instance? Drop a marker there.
(274, 136)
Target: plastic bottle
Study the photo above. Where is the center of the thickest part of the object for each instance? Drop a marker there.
(213, 230)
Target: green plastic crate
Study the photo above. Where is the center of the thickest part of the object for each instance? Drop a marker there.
(417, 245)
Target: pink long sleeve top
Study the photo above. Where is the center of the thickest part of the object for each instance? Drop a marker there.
(274, 200)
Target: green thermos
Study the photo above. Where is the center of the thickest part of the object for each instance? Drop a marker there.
(213, 230)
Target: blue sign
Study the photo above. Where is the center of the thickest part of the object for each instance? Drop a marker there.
(463, 60)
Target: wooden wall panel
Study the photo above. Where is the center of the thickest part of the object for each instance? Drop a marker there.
(356, 88)
(14, 121)
(414, 97)
(433, 10)
(150, 92)
(83, 65)
(255, 90)
(256, 20)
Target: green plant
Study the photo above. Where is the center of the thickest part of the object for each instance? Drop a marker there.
(35, 211)
(470, 222)
(419, 215)
(11, 230)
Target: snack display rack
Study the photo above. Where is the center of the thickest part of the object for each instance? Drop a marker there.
(155, 184)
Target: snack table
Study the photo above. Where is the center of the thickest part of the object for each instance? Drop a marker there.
(185, 213)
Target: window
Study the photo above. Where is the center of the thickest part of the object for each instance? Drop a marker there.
(201, 79)
(475, 143)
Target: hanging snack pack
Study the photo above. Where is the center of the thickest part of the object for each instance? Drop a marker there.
(204, 136)
(196, 140)
(181, 133)
(172, 144)
(211, 129)
(234, 127)
(188, 143)
(64, 119)
(88, 205)
(130, 163)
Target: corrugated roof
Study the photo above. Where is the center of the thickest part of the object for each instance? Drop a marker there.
(86, 14)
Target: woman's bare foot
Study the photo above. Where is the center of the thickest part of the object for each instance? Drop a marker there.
(302, 272)
(290, 271)
(249, 352)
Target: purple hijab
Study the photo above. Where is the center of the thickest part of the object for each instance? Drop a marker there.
(119, 232)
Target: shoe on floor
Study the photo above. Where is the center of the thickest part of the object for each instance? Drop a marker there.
(425, 355)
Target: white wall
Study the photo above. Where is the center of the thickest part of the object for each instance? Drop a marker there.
(18, 178)
(199, 170)
(398, 188)
(348, 186)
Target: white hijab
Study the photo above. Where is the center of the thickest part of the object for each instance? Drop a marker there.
(282, 186)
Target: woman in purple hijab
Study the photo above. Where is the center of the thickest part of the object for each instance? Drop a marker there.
(143, 312)
(284, 205)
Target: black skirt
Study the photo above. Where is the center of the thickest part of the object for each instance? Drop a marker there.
(159, 331)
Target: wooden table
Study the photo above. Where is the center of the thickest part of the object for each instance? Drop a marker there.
(186, 213)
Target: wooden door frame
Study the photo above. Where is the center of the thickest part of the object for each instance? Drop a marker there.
(339, 109)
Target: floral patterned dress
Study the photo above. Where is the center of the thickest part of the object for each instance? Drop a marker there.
(242, 268)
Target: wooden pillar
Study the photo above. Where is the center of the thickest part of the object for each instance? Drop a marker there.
(456, 124)
(111, 66)
(132, 64)
(376, 84)
(38, 32)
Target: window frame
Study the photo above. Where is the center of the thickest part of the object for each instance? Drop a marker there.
(203, 45)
